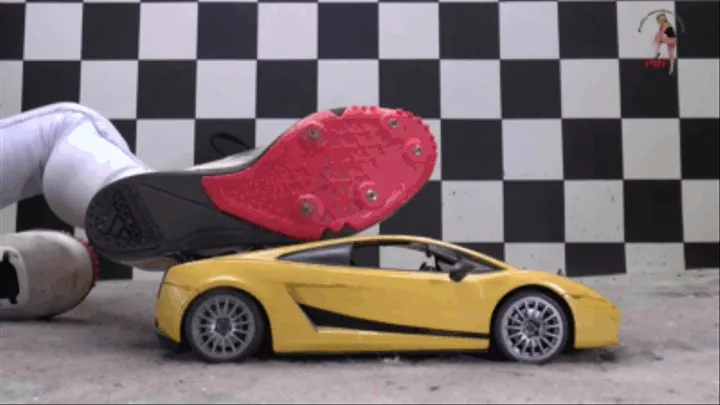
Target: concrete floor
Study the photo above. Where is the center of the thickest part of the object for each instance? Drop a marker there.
(105, 352)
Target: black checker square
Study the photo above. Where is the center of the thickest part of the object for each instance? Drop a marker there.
(166, 89)
(469, 31)
(592, 149)
(411, 84)
(581, 36)
(647, 93)
(286, 89)
(534, 211)
(653, 211)
(348, 31)
(702, 255)
(47, 82)
(128, 130)
(530, 89)
(594, 259)
(227, 30)
(700, 37)
(700, 148)
(476, 147)
(12, 31)
(111, 31)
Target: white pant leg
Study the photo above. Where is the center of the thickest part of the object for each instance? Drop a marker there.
(66, 152)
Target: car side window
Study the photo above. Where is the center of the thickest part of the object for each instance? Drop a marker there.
(335, 255)
(402, 257)
(390, 256)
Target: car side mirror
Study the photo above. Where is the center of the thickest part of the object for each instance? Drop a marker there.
(460, 270)
(457, 275)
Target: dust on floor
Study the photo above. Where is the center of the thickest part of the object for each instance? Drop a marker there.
(105, 352)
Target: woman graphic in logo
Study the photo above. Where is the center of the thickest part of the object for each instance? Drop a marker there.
(665, 35)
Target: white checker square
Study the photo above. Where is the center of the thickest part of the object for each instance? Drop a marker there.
(166, 144)
(287, 31)
(548, 257)
(594, 211)
(409, 31)
(268, 129)
(110, 87)
(11, 78)
(53, 31)
(472, 211)
(529, 30)
(469, 1)
(226, 89)
(701, 210)
(168, 30)
(435, 129)
(8, 220)
(147, 275)
(373, 230)
(470, 89)
(654, 257)
(590, 88)
(635, 33)
(347, 82)
(699, 88)
(532, 149)
(651, 149)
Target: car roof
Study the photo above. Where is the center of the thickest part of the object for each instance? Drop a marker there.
(273, 253)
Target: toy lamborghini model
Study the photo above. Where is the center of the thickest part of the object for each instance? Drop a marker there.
(319, 298)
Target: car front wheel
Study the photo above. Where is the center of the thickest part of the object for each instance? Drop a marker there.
(531, 327)
(224, 325)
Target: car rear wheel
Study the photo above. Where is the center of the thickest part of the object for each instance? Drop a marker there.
(224, 325)
(531, 327)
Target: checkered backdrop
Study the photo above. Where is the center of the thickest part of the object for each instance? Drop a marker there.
(559, 148)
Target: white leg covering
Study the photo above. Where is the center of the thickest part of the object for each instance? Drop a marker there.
(66, 152)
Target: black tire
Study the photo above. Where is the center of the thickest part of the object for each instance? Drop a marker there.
(500, 344)
(254, 337)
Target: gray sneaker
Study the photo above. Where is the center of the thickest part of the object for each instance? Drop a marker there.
(44, 274)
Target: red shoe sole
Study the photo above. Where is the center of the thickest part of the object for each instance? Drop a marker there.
(332, 173)
(329, 172)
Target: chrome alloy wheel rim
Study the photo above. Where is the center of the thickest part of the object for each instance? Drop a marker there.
(222, 327)
(533, 329)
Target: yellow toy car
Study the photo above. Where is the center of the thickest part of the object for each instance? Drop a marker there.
(320, 298)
